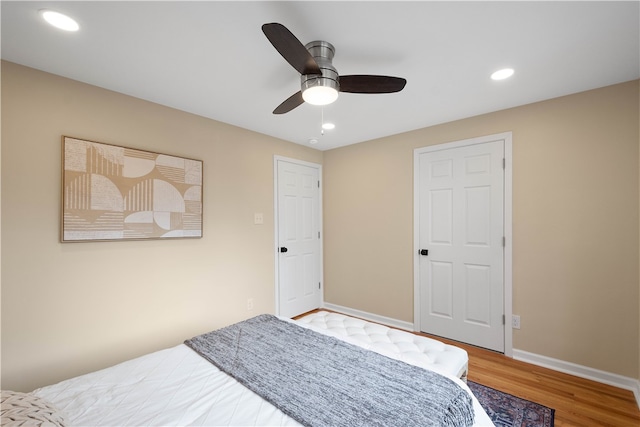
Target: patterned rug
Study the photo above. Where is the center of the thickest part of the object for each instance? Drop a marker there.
(506, 410)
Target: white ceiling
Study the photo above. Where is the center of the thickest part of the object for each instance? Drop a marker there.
(212, 59)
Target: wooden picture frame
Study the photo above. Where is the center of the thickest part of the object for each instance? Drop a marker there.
(112, 193)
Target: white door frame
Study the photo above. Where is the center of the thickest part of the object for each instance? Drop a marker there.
(276, 225)
(508, 218)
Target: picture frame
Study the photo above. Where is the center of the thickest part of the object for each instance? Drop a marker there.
(111, 192)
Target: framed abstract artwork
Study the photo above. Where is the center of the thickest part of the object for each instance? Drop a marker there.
(116, 193)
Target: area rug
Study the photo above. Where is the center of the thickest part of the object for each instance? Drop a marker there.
(506, 410)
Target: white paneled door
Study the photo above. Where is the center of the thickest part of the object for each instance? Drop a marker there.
(298, 238)
(461, 243)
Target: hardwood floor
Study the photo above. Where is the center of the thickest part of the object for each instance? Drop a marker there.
(577, 401)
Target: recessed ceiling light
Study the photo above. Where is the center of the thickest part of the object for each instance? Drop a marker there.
(313, 141)
(505, 73)
(328, 126)
(59, 20)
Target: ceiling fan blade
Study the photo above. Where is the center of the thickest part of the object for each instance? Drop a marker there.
(371, 84)
(290, 48)
(290, 103)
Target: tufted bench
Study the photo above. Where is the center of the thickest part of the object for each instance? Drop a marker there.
(401, 345)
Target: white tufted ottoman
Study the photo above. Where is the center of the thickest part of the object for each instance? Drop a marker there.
(397, 344)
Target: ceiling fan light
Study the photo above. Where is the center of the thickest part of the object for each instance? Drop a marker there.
(320, 90)
(320, 95)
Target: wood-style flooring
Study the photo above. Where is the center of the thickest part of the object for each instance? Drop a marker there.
(577, 402)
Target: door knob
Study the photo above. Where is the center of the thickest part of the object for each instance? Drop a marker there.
(424, 252)
(283, 249)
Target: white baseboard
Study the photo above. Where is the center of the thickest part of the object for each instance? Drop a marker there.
(581, 371)
(524, 356)
(400, 324)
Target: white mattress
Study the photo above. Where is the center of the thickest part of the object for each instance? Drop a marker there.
(171, 387)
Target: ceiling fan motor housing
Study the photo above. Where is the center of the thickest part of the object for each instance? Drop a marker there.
(323, 53)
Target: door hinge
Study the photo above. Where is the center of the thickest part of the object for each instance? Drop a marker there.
(504, 320)
(318, 184)
(504, 163)
(318, 234)
(504, 241)
(319, 284)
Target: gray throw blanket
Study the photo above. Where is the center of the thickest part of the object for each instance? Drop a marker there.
(322, 381)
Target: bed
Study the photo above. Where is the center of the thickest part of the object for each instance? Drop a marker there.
(179, 386)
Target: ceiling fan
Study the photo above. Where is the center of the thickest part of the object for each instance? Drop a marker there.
(319, 80)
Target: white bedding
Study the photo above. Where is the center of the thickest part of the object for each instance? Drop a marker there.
(171, 387)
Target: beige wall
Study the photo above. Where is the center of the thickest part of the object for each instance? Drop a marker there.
(575, 224)
(75, 307)
(72, 308)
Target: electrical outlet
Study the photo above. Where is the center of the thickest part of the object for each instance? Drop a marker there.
(258, 218)
(515, 321)
(249, 304)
